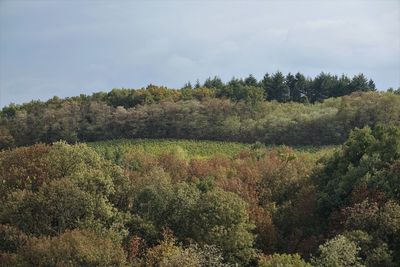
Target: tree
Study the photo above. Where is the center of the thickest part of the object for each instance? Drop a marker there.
(301, 89)
(323, 87)
(220, 219)
(371, 85)
(251, 81)
(361, 161)
(58, 187)
(338, 252)
(6, 138)
(213, 217)
(167, 253)
(290, 81)
(376, 229)
(278, 90)
(187, 85)
(11, 238)
(73, 248)
(266, 85)
(343, 86)
(374, 251)
(215, 82)
(360, 83)
(56, 207)
(278, 260)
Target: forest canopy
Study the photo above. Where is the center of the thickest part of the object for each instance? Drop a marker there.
(76, 190)
(84, 119)
(261, 207)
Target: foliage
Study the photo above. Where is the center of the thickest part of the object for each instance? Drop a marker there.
(283, 260)
(338, 252)
(367, 158)
(217, 217)
(374, 251)
(167, 253)
(11, 238)
(72, 248)
(238, 113)
(203, 203)
(115, 150)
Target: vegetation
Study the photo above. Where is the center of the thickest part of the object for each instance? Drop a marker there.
(73, 120)
(114, 150)
(261, 206)
(120, 201)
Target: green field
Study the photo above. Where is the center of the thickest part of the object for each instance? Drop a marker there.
(113, 149)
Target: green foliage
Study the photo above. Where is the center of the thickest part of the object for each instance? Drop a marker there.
(278, 89)
(30, 167)
(57, 206)
(216, 217)
(167, 253)
(234, 111)
(220, 218)
(6, 138)
(23, 168)
(238, 90)
(376, 229)
(202, 203)
(73, 248)
(380, 256)
(115, 149)
(374, 252)
(11, 238)
(49, 189)
(338, 252)
(283, 260)
(365, 159)
(383, 220)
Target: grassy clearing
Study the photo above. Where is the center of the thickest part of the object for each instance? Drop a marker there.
(114, 149)
(202, 149)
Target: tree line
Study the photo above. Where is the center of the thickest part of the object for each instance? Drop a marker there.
(286, 88)
(273, 87)
(85, 119)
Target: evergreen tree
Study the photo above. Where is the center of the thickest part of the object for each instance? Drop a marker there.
(359, 83)
(278, 90)
(343, 86)
(371, 85)
(187, 85)
(299, 92)
(266, 84)
(251, 81)
(215, 82)
(197, 85)
(291, 84)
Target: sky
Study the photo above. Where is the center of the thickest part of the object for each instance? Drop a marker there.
(66, 48)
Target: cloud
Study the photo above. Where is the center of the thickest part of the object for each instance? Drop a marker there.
(72, 47)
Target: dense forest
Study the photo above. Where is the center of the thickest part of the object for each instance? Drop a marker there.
(264, 201)
(291, 110)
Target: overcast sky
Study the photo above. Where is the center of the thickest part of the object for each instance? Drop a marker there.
(66, 48)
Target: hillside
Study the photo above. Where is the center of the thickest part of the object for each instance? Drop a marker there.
(297, 124)
(202, 203)
(214, 181)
